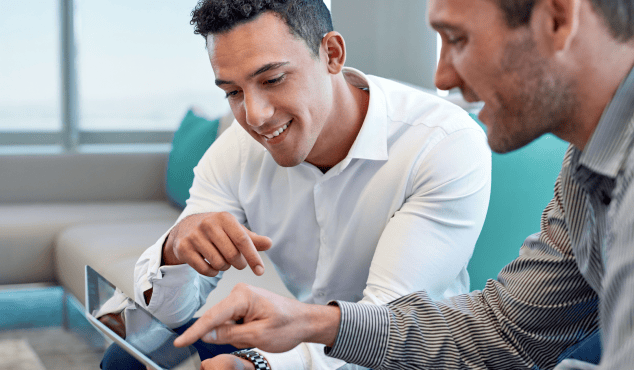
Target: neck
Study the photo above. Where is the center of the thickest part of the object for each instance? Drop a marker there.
(350, 106)
(601, 65)
(596, 93)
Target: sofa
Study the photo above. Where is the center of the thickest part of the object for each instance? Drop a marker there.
(61, 212)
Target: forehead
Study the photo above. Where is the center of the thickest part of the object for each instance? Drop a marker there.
(464, 14)
(266, 39)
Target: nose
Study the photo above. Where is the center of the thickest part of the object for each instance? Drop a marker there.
(258, 109)
(446, 75)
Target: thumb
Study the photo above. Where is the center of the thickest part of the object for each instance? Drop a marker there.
(261, 243)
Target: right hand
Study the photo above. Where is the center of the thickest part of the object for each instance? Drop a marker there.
(213, 242)
(270, 322)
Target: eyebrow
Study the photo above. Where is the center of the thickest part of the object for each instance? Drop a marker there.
(439, 25)
(264, 68)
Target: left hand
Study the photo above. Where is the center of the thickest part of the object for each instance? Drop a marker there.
(231, 362)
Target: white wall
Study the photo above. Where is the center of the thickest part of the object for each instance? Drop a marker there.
(388, 38)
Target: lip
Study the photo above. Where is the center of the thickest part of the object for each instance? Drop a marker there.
(278, 139)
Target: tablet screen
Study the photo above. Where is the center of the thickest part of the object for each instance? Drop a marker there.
(132, 323)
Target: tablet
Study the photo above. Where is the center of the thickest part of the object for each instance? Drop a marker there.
(136, 330)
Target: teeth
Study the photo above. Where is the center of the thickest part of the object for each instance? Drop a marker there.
(277, 133)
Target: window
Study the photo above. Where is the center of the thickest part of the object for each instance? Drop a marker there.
(141, 66)
(81, 73)
(29, 73)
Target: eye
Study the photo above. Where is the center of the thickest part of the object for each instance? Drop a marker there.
(455, 40)
(275, 81)
(231, 94)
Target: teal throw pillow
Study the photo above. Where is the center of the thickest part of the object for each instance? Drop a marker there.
(191, 141)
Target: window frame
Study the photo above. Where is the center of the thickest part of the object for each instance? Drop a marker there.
(71, 137)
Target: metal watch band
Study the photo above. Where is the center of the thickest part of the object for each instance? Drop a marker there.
(253, 356)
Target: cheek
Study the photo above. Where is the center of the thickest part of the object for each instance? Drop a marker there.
(237, 108)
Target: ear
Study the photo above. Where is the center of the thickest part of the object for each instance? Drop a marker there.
(554, 20)
(335, 51)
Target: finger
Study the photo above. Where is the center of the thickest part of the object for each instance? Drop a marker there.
(198, 263)
(246, 364)
(215, 258)
(230, 308)
(243, 242)
(238, 335)
(227, 249)
(262, 243)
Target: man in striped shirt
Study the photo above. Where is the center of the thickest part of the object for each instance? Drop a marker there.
(540, 66)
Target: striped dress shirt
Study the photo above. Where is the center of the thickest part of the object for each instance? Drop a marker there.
(573, 277)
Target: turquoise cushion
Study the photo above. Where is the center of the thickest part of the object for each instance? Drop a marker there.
(522, 184)
(191, 141)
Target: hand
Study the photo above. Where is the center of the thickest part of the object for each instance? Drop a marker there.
(270, 322)
(221, 362)
(213, 242)
(115, 322)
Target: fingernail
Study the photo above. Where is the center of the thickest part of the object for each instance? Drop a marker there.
(210, 336)
(259, 270)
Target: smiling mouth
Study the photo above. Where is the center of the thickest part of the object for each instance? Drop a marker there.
(278, 132)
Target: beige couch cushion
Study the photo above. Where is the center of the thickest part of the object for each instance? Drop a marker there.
(104, 247)
(113, 249)
(28, 232)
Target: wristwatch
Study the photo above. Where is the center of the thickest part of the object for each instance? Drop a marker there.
(253, 356)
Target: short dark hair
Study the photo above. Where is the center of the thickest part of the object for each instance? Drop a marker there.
(307, 19)
(618, 15)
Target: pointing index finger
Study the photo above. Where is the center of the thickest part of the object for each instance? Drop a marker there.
(242, 240)
(215, 316)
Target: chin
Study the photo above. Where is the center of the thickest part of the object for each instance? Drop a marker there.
(284, 161)
(505, 142)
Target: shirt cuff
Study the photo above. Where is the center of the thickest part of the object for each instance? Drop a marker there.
(176, 295)
(363, 334)
(147, 268)
(290, 360)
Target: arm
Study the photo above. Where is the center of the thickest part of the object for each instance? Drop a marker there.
(428, 242)
(211, 228)
(539, 306)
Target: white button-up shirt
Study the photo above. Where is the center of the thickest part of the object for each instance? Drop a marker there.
(401, 213)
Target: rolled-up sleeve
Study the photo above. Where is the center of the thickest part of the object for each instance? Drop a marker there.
(179, 291)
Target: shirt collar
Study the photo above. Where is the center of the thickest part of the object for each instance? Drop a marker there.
(606, 150)
(371, 142)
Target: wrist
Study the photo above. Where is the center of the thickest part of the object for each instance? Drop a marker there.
(323, 324)
(168, 258)
(255, 358)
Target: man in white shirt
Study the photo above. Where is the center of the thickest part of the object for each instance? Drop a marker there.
(357, 187)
